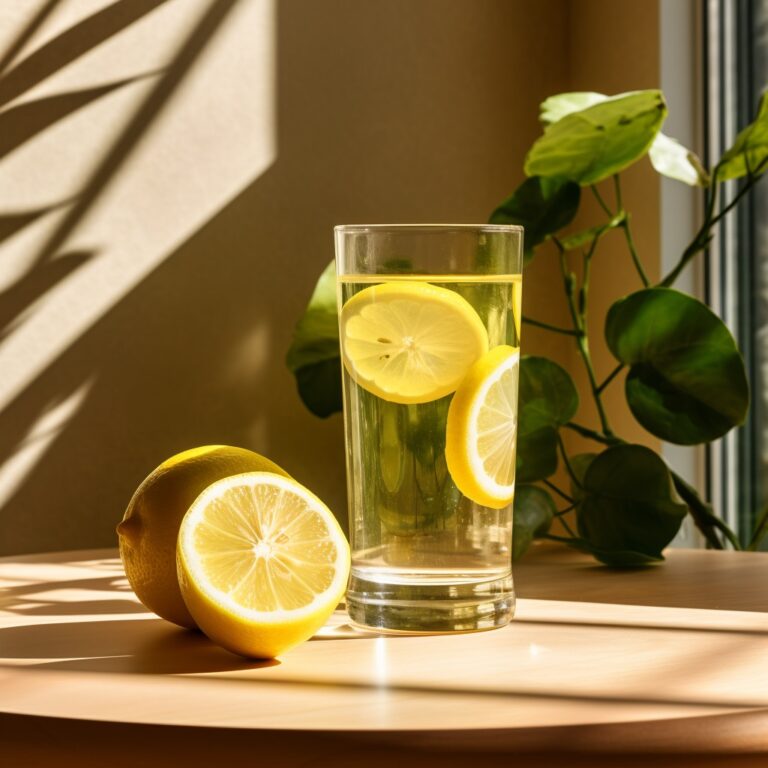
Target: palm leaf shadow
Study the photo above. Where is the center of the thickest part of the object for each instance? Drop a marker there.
(22, 123)
(67, 46)
(137, 126)
(11, 223)
(52, 262)
(36, 282)
(26, 34)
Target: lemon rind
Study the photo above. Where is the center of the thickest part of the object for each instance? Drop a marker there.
(461, 454)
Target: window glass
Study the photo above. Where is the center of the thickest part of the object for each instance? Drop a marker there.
(736, 72)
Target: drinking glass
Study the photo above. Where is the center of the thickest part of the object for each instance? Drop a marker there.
(429, 326)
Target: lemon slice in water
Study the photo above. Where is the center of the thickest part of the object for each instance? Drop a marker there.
(262, 563)
(410, 342)
(481, 429)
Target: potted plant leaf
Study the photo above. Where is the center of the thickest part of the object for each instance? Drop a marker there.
(685, 377)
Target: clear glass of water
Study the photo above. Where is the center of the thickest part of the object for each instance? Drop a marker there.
(429, 329)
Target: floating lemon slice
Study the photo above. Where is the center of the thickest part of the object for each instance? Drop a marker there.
(262, 563)
(410, 342)
(482, 427)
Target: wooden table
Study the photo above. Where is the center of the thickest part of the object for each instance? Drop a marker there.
(600, 667)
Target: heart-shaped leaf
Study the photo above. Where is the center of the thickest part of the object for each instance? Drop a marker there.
(319, 386)
(534, 510)
(536, 454)
(580, 464)
(670, 158)
(594, 143)
(547, 400)
(629, 510)
(558, 106)
(749, 152)
(541, 206)
(687, 383)
(313, 356)
(548, 395)
(667, 155)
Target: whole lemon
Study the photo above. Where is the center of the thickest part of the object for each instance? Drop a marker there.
(150, 526)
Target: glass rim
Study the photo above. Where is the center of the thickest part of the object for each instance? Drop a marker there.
(437, 228)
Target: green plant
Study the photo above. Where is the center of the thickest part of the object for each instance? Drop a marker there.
(685, 382)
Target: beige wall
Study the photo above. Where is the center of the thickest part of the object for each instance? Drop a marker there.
(177, 167)
(185, 161)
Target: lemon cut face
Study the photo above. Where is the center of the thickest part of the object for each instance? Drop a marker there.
(481, 429)
(410, 342)
(262, 563)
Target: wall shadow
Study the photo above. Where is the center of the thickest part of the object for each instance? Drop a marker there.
(379, 118)
(65, 47)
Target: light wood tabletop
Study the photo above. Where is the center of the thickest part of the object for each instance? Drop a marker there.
(599, 666)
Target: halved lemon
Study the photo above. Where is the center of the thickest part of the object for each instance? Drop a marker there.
(482, 427)
(410, 342)
(150, 528)
(262, 563)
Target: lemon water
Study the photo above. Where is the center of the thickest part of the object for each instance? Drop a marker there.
(425, 557)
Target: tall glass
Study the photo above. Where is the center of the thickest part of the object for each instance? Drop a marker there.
(429, 328)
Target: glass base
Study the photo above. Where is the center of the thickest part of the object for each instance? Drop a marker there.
(429, 607)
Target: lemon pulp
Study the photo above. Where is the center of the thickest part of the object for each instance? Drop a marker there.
(262, 563)
(410, 342)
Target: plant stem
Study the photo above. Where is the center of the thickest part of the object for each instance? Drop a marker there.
(584, 291)
(625, 226)
(584, 350)
(703, 515)
(617, 192)
(600, 200)
(547, 326)
(567, 527)
(737, 197)
(593, 434)
(579, 323)
(704, 235)
(633, 252)
(611, 376)
(587, 432)
(760, 530)
(567, 463)
(562, 494)
(699, 242)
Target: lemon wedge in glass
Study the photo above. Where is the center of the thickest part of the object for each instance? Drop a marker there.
(410, 342)
(481, 429)
(262, 563)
